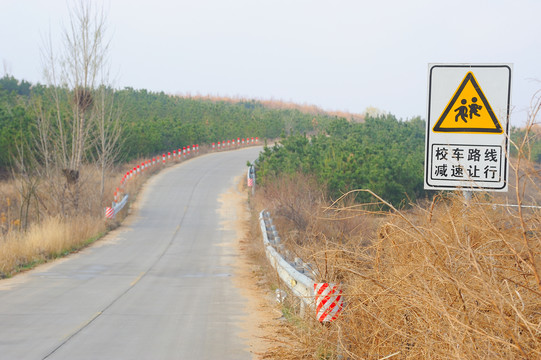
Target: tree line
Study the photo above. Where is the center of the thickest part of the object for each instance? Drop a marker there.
(382, 154)
(157, 121)
(151, 122)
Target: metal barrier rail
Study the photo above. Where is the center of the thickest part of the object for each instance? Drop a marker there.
(511, 205)
(301, 285)
(117, 207)
(110, 212)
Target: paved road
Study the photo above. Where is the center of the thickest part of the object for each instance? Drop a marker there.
(160, 288)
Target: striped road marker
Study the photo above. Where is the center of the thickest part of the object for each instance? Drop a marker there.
(109, 212)
(329, 301)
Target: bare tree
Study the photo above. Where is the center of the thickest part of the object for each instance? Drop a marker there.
(109, 130)
(79, 120)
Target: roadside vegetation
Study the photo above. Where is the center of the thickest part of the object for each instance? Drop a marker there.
(34, 231)
(383, 154)
(441, 278)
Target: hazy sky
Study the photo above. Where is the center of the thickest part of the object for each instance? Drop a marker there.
(339, 55)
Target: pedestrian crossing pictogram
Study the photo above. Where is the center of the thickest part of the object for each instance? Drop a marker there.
(468, 111)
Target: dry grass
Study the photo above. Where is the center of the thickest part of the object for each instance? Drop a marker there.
(9, 214)
(26, 201)
(445, 280)
(451, 279)
(52, 238)
(279, 105)
(40, 221)
(461, 281)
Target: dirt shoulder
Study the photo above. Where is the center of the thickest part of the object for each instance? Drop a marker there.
(263, 323)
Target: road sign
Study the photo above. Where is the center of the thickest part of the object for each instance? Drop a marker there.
(467, 127)
(468, 118)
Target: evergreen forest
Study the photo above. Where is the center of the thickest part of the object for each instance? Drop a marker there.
(154, 122)
(383, 153)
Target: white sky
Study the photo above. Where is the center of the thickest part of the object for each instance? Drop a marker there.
(339, 55)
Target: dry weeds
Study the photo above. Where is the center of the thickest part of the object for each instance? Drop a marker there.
(39, 220)
(52, 238)
(279, 105)
(451, 279)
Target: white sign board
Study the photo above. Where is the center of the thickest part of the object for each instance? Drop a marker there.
(467, 127)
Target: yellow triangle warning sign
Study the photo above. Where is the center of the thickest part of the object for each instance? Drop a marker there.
(468, 111)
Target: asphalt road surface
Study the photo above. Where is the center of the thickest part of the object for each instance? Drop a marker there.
(160, 287)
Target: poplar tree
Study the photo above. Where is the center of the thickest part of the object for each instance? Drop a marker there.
(78, 119)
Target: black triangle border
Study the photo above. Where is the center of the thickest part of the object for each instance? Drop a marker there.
(469, 77)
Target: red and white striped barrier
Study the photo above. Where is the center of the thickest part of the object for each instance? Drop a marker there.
(329, 302)
(109, 213)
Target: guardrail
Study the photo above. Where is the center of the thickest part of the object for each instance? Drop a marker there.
(294, 274)
(325, 298)
(111, 212)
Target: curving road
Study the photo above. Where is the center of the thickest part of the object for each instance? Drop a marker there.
(160, 287)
